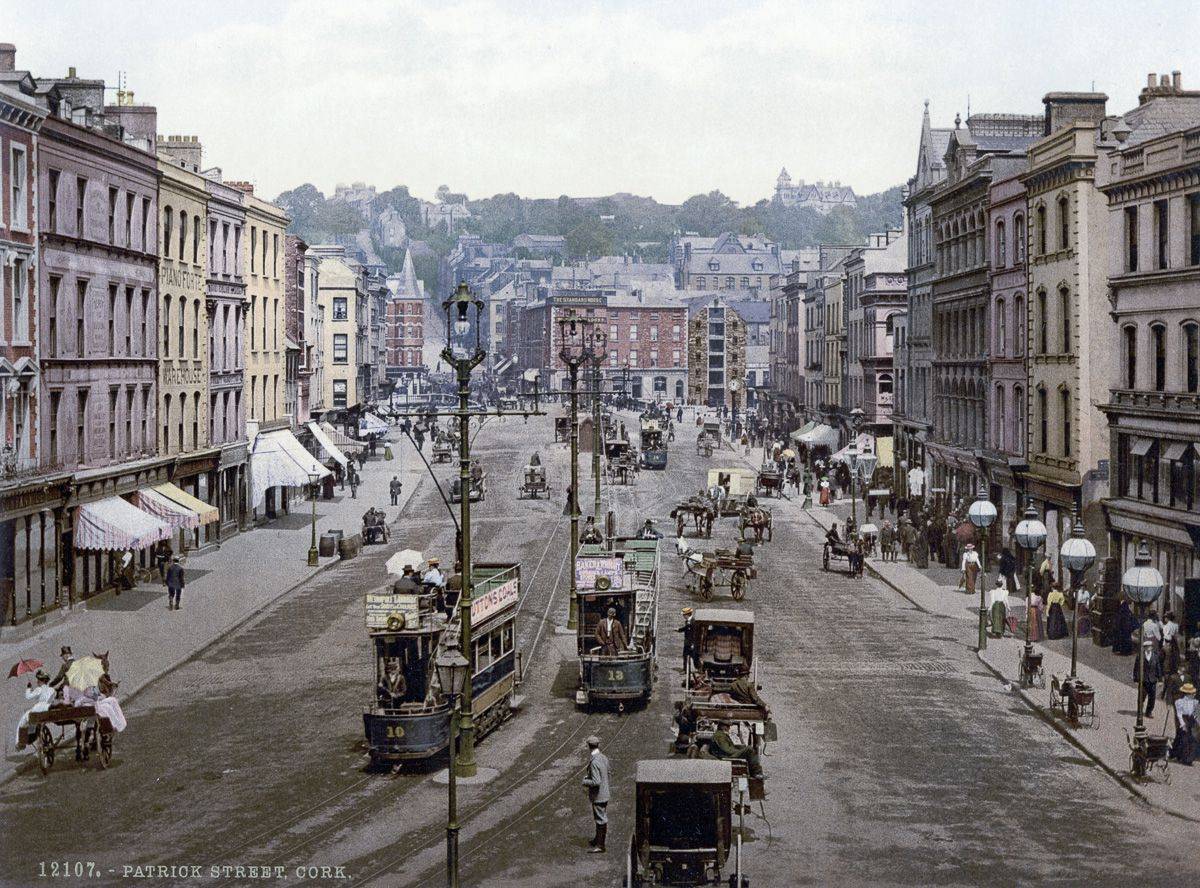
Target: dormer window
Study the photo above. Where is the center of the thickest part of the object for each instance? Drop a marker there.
(714, 265)
(756, 265)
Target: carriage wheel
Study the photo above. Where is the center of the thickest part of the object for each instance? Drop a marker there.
(105, 752)
(825, 558)
(45, 749)
(737, 585)
(706, 588)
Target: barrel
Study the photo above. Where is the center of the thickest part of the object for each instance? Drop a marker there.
(350, 546)
(327, 546)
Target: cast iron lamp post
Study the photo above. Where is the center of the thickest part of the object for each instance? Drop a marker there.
(452, 671)
(1078, 555)
(1142, 584)
(600, 347)
(982, 514)
(313, 560)
(1030, 534)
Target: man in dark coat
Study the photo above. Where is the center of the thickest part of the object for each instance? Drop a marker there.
(174, 584)
(68, 658)
(1150, 664)
(395, 487)
(610, 634)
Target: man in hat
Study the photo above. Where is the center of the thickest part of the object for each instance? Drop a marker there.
(43, 694)
(434, 578)
(174, 583)
(590, 533)
(648, 532)
(67, 659)
(395, 487)
(596, 782)
(689, 643)
(723, 747)
(610, 634)
(1150, 664)
(407, 583)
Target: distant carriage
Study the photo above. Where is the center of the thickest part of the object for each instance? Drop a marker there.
(757, 520)
(93, 733)
(769, 482)
(534, 483)
(720, 569)
(736, 484)
(700, 511)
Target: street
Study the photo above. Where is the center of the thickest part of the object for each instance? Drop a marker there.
(900, 760)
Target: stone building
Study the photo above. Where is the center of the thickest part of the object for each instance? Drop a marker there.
(262, 269)
(405, 331)
(727, 262)
(305, 326)
(716, 356)
(1153, 410)
(990, 146)
(833, 360)
(342, 292)
(824, 197)
(913, 425)
(646, 344)
(875, 296)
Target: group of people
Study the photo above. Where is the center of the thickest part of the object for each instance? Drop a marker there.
(49, 692)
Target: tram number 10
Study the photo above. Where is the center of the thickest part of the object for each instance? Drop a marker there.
(614, 675)
(394, 732)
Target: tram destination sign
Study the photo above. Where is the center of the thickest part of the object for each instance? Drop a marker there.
(589, 568)
(483, 605)
(391, 610)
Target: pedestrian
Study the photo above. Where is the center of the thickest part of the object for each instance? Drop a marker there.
(1152, 631)
(887, 541)
(174, 584)
(1124, 627)
(1170, 642)
(162, 557)
(970, 566)
(1150, 665)
(1083, 612)
(420, 438)
(596, 782)
(1183, 749)
(394, 488)
(998, 607)
(1034, 619)
(1008, 570)
(353, 483)
(1193, 657)
(689, 643)
(1056, 621)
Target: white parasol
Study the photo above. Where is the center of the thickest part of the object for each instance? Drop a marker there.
(405, 557)
(868, 528)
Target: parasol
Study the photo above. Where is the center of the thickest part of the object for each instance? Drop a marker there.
(788, 454)
(868, 528)
(396, 564)
(965, 532)
(23, 666)
(85, 673)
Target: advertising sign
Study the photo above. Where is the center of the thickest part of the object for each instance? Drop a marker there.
(485, 604)
(389, 610)
(589, 567)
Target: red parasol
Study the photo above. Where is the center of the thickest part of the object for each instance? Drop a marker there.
(23, 666)
(965, 532)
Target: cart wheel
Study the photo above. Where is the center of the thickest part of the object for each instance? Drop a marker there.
(45, 750)
(706, 591)
(737, 586)
(825, 559)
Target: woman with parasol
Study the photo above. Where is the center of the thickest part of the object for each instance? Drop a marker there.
(43, 694)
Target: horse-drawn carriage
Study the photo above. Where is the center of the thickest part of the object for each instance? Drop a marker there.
(477, 489)
(732, 486)
(769, 481)
(757, 520)
(701, 510)
(715, 570)
(374, 527)
(562, 429)
(534, 482)
(704, 445)
(843, 549)
(443, 449)
(622, 469)
(93, 733)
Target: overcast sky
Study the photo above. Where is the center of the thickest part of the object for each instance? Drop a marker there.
(661, 99)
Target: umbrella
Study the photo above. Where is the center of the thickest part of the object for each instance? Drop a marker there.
(396, 564)
(965, 532)
(23, 666)
(85, 673)
(869, 528)
(788, 454)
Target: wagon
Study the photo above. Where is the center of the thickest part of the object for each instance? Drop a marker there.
(769, 482)
(534, 483)
(704, 445)
(719, 569)
(701, 511)
(442, 449)
(757, 520)
(843, 549)
(1073, 699)
(93, 733)
(736, 485)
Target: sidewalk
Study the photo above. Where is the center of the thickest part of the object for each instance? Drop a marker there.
(934, 591)
(224, 587)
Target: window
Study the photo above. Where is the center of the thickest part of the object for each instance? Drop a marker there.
(654, 333)
(1019, 404)
(612, 358)
(1001, 245)
(166, 344)
(633, 358)
(745, 282)
(182, 322)
(195, 420)
(653, 357)
(20, 309)
(274, 256)
(81, 425)
(612, 332)
(1131, 239)
(253, 246)
(80, 202)
(1043, 420)
(1158, 338)
(81, 287)
(675, 358)
(147, 241)
(701, 283)
(18, 173)
(195, 239)
(52, 321)
(1065, 397)
(112, 423)
(52, 200)
(166, 418)
(1129, 336)
(168, 222)
(1001, 329)
(146, 324)
(112, 320)
(112, 215)
(633, 332)
(275, 324)
(129, 220)
(1064, 222)
(675, 332)
(1043, 346)
(224, 248)
(253, 328)
(128, 321)
(183, 220)
(1041, 230)
(196, 329)
(339, 393)
(728, 283)
(1065, 302)
(55, 403)
(129, 419)
(1194, 227)
(341, 348)
(340, 311)
(1161, 237)
(1191, 357)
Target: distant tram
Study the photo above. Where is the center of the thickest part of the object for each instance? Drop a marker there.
(623, 577)
(410, 716)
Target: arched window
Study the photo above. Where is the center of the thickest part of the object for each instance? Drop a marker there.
(1001, 329)
(1041, 229)
(1129, 346)
(1019, 237)
(1042, 323)
(1158, 338)
(1065, 396)
(195, 240)
(885, 383)
(999, 433)
(1064, 222)
(1019, 410)
(168, 219)
(1043, 420)
(166, 421)
(1064, 298)
(1001, 245)
(183, 217)
(1019, 321)
(166, 344)
(1191, 357)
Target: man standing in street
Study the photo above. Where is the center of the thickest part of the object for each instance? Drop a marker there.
(174, 584)
(596, 782)
(394, 488)
(353, 482)
(1151, 666)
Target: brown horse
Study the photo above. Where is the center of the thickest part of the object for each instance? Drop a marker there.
(759, 521)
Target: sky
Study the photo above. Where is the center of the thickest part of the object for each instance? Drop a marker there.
(665, 99)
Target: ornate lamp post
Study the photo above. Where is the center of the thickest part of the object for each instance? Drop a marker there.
(452, 671)
(576, 350)
(1030, 534)
(313, 479)
(856, 421)
(1078, 555)
(600, 347)
(982, 514)
(1142, 584)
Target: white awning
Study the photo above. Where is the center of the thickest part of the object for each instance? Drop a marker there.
(803, 430)
(208, 513)
(113, 525)
(864, 444)
(327, 446)
(166, 510)
(820, 435)
(1141, 446)
(279, 460)
(345, 443)
(370, 424)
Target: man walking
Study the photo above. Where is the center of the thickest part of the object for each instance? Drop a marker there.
(394, 488)
(1151, 666)
(353, 482)
(174, 584)
(596, 782)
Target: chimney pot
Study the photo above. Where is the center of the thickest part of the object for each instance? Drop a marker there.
(1176, 80)
(8, 57)
(1164, 80)
(71, 71)
(1151, 79)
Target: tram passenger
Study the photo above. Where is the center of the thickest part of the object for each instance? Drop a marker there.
(743, 691)
(407, 582)
(648, 532)
(610, 634)
(591, 533)
(722, 746)
(434, 579)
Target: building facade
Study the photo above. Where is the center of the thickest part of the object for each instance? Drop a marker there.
(824, 197)
(342, 293)
(727, 262)
(266, 333)
(876, 296)
(405, 329)
(716, 356)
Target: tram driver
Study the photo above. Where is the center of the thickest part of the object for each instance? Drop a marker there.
(610, 634)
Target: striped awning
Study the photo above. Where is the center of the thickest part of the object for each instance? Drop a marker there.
(207, 513)
(114, 524)
(166, 510)
(344, 442)
(328, 448)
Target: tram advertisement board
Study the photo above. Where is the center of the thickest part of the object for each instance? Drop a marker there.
(385, 606)
(484, 604)
(588, 568)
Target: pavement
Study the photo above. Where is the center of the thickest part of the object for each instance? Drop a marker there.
(225, 586)
(936, 591)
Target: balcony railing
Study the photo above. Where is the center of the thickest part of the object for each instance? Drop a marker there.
(1147, 400)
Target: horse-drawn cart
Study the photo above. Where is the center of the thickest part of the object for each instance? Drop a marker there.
(704, 445)
(719, 569)
(701, 511)
(843, 549)
(757, 520)
(93, 733)
(443, 450)
(769, 482)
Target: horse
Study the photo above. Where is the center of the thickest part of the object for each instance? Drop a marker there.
(759, 521)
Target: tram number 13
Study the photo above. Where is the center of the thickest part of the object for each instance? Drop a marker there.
(394, 732)
(614, 675)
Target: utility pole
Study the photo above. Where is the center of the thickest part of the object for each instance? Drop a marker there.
(597, 438)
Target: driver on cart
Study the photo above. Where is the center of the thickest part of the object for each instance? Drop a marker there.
(648, 532)
(591, 533)
(534, 473)
(722, 746)
(832, 536)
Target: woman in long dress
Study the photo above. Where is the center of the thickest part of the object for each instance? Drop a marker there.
(1035, 616)
(970, 568)
(1126, 625)
(998, 600)
(1083, 611)
(1056, 622)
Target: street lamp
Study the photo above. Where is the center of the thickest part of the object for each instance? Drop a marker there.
(452, 671)
(1078, 555)
(982, 513)
(313, 560)
(856, 421)
(1030, 534)
(1142, 584)
(600, 349)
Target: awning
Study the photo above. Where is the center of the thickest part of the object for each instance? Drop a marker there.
(1173, 452)
(864, 444)
(820, 435)
(279, 460)
(327, 446)
(166, 510)
(1141, 446)
(883, 449)
(370, 424)
(113, 525)
(345, 443)
(207, 513)
(800, 432)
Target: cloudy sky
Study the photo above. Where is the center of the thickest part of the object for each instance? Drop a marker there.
(544, 98)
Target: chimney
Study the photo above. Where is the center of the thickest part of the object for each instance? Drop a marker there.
(140, 122)
(8, 57)
(1151, 80)
(1176, 81)
(183, 151)
(71, 73)
(1065, 108)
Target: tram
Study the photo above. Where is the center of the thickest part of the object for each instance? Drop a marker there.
(409, 718)
(622, 577)
(654, 444)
